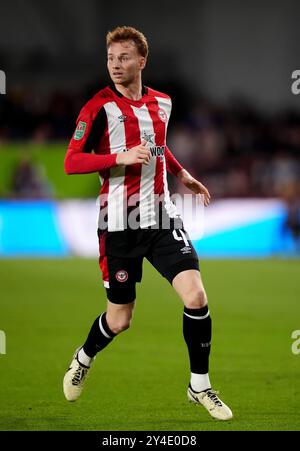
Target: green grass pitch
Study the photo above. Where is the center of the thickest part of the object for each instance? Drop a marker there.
(139, 382)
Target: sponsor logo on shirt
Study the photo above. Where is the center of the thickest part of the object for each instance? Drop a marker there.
(122, 118)
(156, 151)
(149, 137)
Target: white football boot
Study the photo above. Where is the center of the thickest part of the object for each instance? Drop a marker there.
(74, 379)
(211, 402)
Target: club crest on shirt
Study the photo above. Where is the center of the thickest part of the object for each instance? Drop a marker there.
(122, 275)
(162, 115)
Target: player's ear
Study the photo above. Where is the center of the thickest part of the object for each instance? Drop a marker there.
(143, 61)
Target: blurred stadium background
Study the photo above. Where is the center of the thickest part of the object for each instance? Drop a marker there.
(235, 126)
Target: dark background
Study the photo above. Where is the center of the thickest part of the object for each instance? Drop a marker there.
(227, 65)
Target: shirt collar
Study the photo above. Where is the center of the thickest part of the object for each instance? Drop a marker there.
(119, 94)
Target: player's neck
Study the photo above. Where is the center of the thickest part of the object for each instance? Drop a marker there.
(132, 91)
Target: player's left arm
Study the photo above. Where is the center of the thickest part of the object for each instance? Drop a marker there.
(175, 168)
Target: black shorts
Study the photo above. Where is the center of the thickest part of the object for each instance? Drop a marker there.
(122, 253)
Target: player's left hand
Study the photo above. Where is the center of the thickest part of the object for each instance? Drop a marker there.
(195, 186)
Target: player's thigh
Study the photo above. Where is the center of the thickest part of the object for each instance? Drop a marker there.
(121, 270)
(172, 253)
(123, 275)
(189, 286)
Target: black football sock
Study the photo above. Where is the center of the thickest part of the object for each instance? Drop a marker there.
(197, 335)
(99, 336)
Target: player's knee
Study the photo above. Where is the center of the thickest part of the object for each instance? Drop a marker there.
(119, 325)
(195, 298)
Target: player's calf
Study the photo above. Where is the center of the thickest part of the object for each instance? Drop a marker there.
(99, 337)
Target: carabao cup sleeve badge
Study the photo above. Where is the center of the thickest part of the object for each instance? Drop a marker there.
(80, 130)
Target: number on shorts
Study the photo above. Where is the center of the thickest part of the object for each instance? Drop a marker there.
(180, 238)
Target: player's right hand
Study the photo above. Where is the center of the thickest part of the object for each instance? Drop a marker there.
(138, 154)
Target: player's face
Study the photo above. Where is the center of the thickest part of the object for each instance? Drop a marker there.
(124, 63)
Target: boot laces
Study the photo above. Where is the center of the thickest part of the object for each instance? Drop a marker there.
(212, 395)
(79, 375)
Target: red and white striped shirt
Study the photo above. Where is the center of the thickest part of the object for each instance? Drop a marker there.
(111, 123)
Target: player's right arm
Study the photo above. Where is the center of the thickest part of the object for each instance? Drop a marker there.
(137, 154)
(79, 158)
(90, 127)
